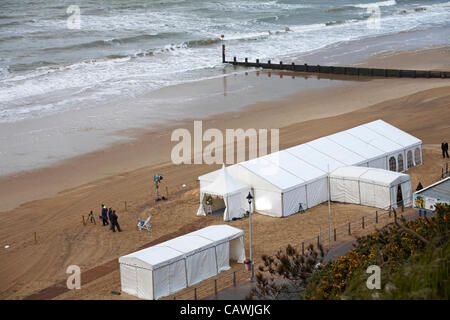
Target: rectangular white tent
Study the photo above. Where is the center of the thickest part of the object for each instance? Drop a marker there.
(370, 187)
(298, 176)
(170, 266)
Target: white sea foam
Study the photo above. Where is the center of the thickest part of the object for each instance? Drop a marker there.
(387, 3)
(178, 46)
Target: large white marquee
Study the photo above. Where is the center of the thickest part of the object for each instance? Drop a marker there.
(283, 181)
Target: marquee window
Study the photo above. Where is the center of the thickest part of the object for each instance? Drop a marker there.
(417, 158)
(392, 164)
(400, 162)
(409, 158)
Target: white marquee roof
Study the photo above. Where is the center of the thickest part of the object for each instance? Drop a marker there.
(224, 184)
(336, 151)
(178, 248)
(307, 162)
(219, 233)
(295, 166)
(314, 157)
(273, 173)
(355, 144)
(389, 131)
(374, 139)
(370, 175)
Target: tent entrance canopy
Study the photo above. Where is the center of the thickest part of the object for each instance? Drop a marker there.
(170, 266)
(232, 192)
(370, 186)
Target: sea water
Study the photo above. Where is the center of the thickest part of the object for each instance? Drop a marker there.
(83, 67)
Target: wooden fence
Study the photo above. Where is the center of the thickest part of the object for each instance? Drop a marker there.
(351, 71)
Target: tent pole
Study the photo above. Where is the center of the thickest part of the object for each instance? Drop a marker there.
(249, 198)
(153, 283)
(329, 208)
(306, 193)
(215, 254)
(185, 271)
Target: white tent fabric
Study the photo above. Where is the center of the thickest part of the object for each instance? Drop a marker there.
(369, 186)
(284, 180)
(170, 266)
(275, 174)
(230, 190)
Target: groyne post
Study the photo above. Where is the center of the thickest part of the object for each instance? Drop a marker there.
(223, 53)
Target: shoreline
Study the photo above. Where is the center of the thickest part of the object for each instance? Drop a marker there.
(121, 157)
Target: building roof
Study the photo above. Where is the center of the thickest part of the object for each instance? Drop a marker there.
(439, 190)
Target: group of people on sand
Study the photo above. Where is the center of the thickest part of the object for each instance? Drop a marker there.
(112, 217)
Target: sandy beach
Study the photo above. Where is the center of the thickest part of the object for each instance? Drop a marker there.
(51, 201)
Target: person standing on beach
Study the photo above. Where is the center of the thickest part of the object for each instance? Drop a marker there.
(419, 186)
(109, 216)
(444, 147)
(105, 215)
(114, 222)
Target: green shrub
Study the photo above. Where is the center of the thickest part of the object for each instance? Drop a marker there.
(413, 257)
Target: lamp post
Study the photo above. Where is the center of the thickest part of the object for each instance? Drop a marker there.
(249, 198)
(329, 207)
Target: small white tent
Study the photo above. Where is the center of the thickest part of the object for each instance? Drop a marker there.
(170, 266)
(370, 187)
(225, 187)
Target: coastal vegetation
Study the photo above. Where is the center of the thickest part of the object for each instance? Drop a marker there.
(413, 257)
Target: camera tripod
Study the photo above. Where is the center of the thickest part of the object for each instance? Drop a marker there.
(90, 218)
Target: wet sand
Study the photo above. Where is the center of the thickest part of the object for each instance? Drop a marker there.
(51, 201)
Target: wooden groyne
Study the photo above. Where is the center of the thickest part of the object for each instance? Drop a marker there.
(351, 71)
